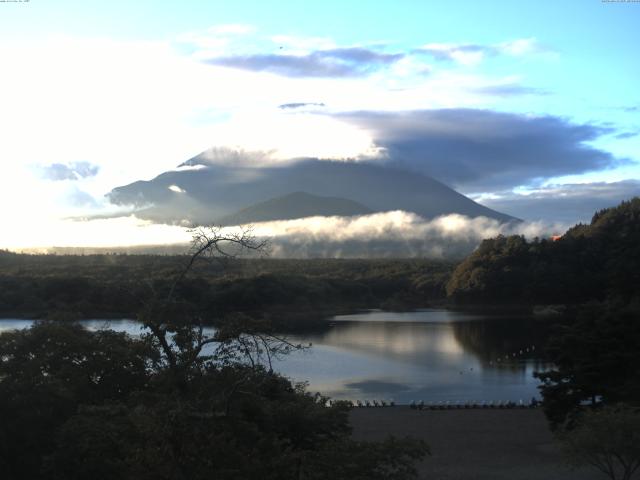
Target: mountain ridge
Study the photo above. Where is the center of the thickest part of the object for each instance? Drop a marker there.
(216, 190)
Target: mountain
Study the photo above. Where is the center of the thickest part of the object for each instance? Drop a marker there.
(201, 190)
(295, 205)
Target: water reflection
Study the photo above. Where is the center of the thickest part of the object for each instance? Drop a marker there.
(430, 355)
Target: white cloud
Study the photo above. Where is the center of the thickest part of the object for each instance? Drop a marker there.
(399, 225)
(396, 233)
(518, 47)
(521, 46)
(125, 231)
(391, 233)
(295, 135)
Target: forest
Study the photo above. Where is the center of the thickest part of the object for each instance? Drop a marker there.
(595, 262)
(294, 293)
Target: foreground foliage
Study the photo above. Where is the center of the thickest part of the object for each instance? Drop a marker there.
(76, 404)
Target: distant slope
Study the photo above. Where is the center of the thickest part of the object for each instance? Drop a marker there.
(295, 205)
(208, 191)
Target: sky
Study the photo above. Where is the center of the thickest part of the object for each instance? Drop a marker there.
(530, 108)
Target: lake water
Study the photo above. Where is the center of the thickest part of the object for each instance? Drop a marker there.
(429, 355)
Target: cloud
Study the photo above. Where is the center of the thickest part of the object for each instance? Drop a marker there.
(508, 90)
(465, 54)
(71, 171)
(482, 150)
(522, 46)
(58, 171)
(625, 135)
(104, 232)
(470, 54)
(390, 234)
(336, 62)
(563, 203)
(287, 106)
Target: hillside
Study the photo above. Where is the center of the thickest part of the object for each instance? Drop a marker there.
(589, 262)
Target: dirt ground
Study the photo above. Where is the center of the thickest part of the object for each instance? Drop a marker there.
(474, 444)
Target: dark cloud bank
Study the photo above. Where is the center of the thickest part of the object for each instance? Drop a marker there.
(483, 150)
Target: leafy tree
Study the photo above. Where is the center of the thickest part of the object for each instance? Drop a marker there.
(47, 372)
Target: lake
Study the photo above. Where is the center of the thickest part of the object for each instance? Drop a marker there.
(430, 355)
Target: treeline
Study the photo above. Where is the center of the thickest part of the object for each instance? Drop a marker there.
(292, 292)
(589, 262)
